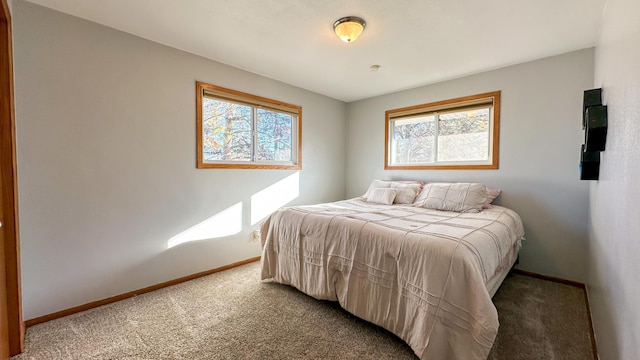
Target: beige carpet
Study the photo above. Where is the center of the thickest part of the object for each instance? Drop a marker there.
(234, 315)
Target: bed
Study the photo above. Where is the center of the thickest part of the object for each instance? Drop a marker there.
(424, 274)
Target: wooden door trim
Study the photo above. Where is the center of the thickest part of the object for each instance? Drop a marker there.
(8, 171)
(4, 324)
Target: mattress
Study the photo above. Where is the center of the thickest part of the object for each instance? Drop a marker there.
(425, 275)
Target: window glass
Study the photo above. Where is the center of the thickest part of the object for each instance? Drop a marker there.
(274, 136)
(464, 135)
(414, 140)
(226, 131)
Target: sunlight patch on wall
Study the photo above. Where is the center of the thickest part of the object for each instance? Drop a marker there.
(273, 197)
(225, 223)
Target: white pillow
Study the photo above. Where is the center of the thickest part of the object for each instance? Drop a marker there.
(376, 184)
(405, 193)
(406, 190)
(458, 197)
(382, 196)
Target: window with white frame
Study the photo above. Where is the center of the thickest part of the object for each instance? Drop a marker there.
(239, 130)
(460, 133)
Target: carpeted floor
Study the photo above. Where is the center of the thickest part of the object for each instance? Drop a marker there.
(234, 315)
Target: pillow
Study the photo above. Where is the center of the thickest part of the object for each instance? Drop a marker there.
(492, 194)
(382, 196)
(458, 197)
(405, 193)
(376, 184)
(406, 190)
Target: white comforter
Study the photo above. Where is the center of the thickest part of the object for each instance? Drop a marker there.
(419, 273)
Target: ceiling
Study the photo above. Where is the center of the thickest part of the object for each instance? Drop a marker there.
(415, 42)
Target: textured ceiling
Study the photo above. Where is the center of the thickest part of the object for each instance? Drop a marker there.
(416, 42)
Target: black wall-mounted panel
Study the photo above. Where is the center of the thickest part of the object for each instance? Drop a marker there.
(594, 123)
(591, 97)
(596, 131)
(589, 164)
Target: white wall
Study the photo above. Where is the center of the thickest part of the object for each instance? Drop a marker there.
(614, 282)
(540, 139)
(106, 160)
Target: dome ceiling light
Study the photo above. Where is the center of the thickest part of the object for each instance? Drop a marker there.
(349, 28)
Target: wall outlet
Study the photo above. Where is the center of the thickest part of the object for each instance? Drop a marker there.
(255, 236)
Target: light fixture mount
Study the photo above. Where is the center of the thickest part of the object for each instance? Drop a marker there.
(349, 28)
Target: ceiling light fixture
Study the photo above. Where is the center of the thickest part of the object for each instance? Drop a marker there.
(349, 28)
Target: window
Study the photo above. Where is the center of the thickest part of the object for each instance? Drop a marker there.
(243, 131)
(459, 133)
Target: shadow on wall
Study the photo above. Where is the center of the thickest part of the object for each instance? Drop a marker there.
(228, 222)
(548, 232)
(603, 286)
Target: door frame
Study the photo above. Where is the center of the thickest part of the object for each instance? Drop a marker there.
(9, 187)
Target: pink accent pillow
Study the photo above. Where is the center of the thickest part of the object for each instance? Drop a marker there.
(492, 193)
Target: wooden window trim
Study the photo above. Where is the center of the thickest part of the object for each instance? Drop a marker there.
(449, 104)
(253, 100)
